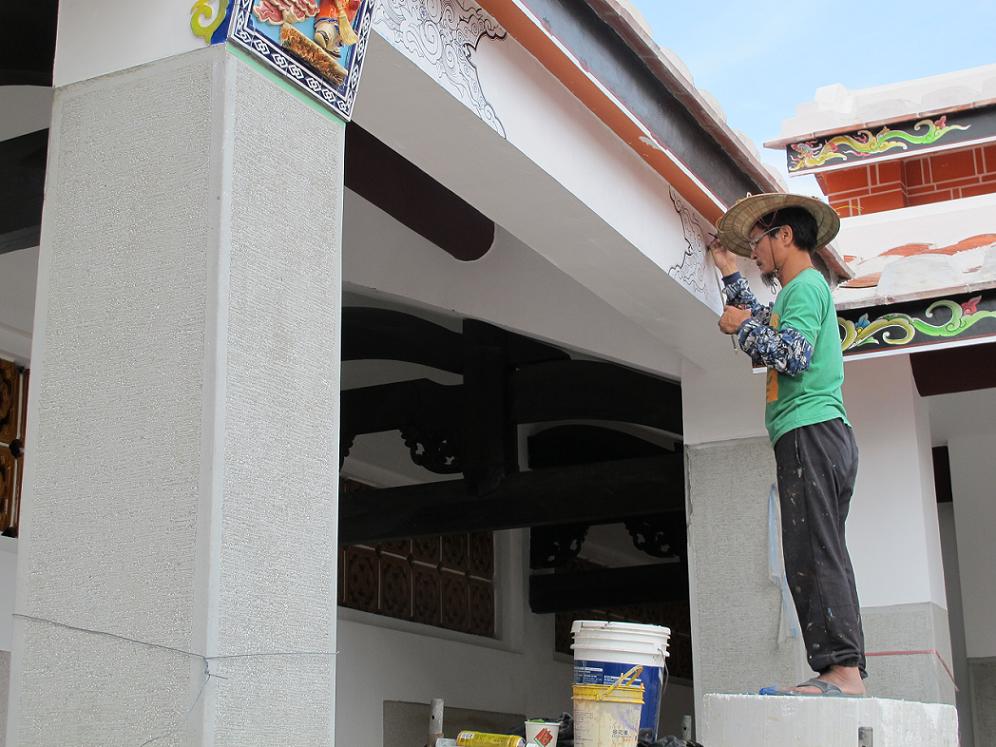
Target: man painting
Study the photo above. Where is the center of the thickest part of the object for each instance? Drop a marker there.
(817, 459)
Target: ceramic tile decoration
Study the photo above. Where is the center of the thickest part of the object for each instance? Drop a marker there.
(482, 555)
(361, 579)
(482, 608)
(317, 46)
(456, 601)
(455, 552)
(426, 549)
(6, 488)
(426, 595)
(9, 388)
(209, 19)
(395, 587)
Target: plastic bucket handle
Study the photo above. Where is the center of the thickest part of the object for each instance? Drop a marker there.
(625, 681)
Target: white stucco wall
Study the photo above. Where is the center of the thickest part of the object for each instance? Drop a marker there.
(380, 659)
(96, 38)
(722, 404)
(541, 119)
(580, 152)
(973, 484)
(579, 197)
(511, 286)
(173, 347)
(383, 659)
(25, 109)
(893, 513)
(892, 530)
(18, 275)
(940, 223)
(956, 620)
(8, 577)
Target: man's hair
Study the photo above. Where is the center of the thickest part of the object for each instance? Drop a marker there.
(800, 220)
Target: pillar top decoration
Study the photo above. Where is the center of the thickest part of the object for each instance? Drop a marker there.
(316, 46)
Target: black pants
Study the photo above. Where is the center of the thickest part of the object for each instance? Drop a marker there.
(817, 465)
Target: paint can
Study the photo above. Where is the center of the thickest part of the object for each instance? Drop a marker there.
(608, 715)
(604, 651)
(480, 739)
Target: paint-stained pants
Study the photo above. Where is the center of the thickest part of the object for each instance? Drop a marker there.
(817, 465)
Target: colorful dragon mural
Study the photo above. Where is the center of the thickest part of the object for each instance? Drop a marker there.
(813, 154)
(900, 329)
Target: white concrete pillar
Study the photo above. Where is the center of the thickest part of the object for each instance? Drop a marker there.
(763, 721)
(893, 534)
(735, 607)
(973, 487)
(177, 557)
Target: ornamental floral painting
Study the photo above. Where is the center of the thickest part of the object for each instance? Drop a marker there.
(316, 45)
(814, 155)
(918, 323)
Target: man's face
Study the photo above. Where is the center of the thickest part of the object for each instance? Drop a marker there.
(762, 249)
(766, 251)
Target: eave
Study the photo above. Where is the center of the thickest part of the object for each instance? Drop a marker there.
(739, 170)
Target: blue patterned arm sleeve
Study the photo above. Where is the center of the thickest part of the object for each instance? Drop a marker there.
(785, 350)
(738, 293)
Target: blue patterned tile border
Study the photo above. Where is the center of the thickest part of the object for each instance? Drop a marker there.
(243, 33)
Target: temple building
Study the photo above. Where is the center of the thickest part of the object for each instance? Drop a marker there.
(351, 350)
(911, 168)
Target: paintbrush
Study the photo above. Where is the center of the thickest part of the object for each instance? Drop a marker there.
(713, 238)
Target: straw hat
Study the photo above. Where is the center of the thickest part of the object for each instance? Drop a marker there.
(735, 226)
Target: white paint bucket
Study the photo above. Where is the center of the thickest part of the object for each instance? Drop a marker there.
(608, 715)
(604, 651)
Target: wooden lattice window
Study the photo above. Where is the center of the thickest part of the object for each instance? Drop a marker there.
(13, 406)
(446, 581)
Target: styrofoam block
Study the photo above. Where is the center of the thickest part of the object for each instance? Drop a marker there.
(763, 721)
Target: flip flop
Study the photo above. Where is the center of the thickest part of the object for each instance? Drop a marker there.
(826, 690)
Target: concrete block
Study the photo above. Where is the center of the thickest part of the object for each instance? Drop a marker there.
(763, 721)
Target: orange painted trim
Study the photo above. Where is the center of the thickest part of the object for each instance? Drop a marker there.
(556, 58)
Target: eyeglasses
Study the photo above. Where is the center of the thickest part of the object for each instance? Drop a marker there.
(752, 243)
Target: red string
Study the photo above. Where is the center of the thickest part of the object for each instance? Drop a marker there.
(927, 651)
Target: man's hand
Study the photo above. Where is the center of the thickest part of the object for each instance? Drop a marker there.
(723, 257)
(733, 317)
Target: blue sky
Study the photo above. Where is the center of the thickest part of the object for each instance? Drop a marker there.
(761, 59)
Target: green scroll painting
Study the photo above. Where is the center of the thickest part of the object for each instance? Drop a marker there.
(895, 139)
(915, 325)
(841, 148)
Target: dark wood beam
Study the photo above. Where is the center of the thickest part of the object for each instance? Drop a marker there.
(948, 370)
(942, 474)
(602, 493)
(382, 176)
(563, 445)
(388, 407)
(490, 447)
(383, 334)
(372, 333)
(22, 190)
(591, 390)
(28, 52)
(609, 587)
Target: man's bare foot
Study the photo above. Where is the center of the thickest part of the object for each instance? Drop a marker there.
(848, 679)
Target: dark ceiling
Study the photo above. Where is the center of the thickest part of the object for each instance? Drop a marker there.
(28, 51)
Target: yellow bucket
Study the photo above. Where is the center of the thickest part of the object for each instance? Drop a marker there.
(608, 715)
